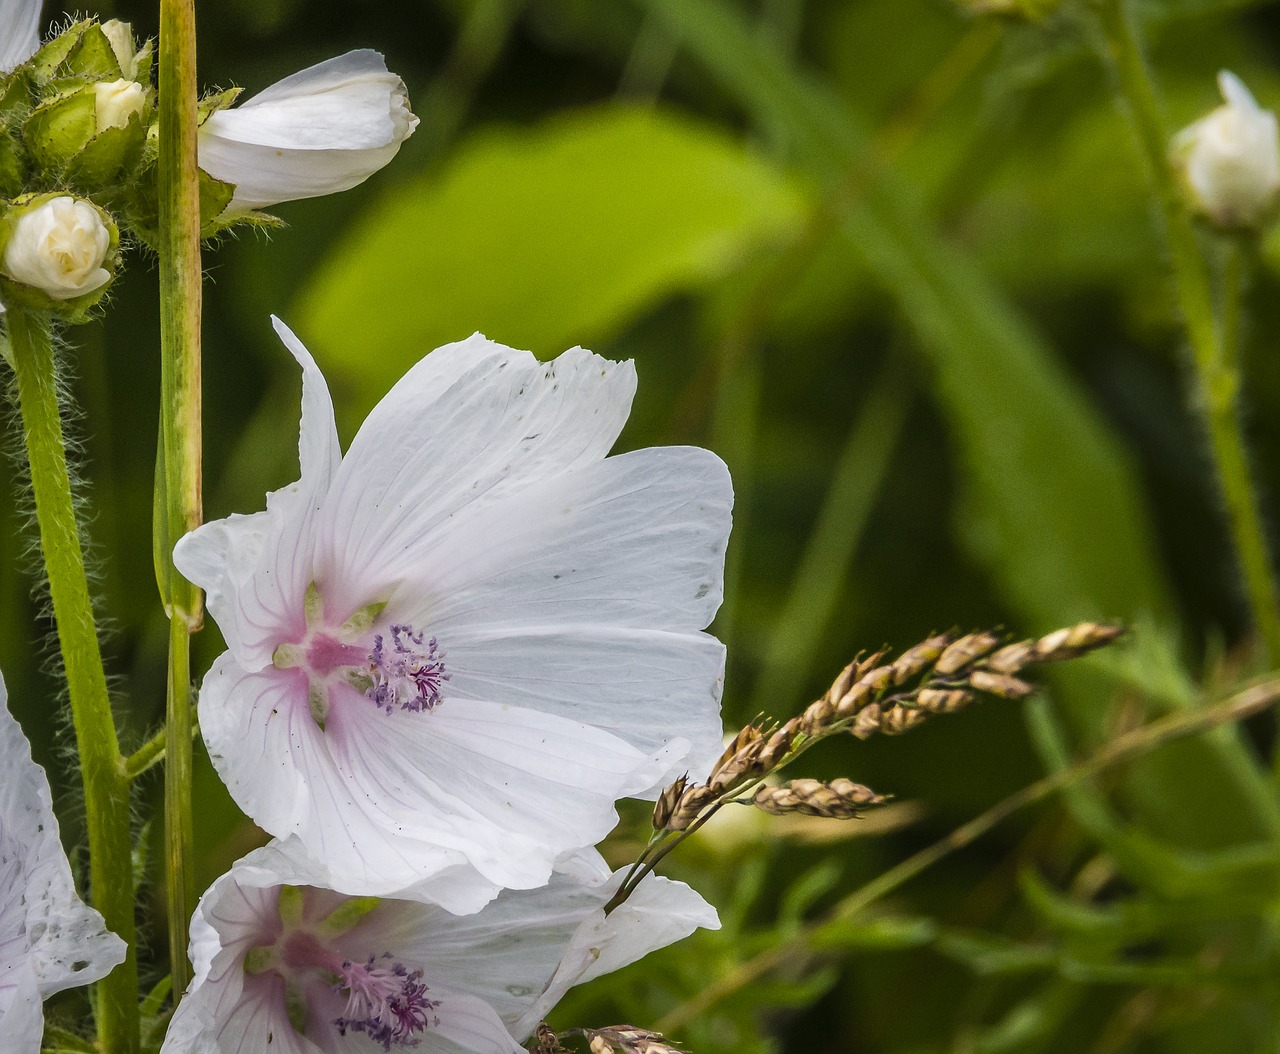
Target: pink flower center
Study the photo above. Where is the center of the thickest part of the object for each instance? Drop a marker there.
(386, 1001)
(401, 669)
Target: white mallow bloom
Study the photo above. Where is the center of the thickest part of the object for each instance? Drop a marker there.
(281, 965)
(451, 650)
(59, 247)
(49, 939)
(115, 102)
(1230, 160)
(319, 131)
(19, 32)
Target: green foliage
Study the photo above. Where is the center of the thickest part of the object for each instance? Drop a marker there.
(547, 237)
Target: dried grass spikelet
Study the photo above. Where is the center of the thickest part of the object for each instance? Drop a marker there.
(627, 1039)
(840, 799)
(941, 675)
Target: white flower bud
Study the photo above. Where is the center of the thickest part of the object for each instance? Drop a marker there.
(116, 101)
(59, 247)
(319, 131)
(120, 36)
(1229, 161)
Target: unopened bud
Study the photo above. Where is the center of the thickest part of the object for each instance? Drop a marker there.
(1229, 161)
(120, 36)
(57, 249)
(115, 102)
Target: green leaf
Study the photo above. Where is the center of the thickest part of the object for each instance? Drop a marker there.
(543, 238)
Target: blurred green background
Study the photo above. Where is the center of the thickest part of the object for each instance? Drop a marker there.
(896, 263)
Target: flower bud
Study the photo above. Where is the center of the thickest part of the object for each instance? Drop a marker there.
(1229, 161)
(56, 250)
(116, 101)
(133, 61)
(319, 131)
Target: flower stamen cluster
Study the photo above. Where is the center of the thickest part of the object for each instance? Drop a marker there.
(389, 1004)
(403, 676)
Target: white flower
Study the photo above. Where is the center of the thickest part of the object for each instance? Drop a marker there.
(453, 649)
(280, 965)
(319, 131)
(49, 939)
(117, 101)
(19, 32)
(1230, 160)
(59, 247)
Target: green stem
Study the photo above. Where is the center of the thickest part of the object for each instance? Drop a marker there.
(178, 485)
(1216, 375)
(105, 787)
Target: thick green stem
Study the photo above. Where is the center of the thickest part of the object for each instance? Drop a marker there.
(101, 766)
(178, 484)
(1216, 375)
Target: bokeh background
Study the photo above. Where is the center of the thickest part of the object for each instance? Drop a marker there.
(895, 261)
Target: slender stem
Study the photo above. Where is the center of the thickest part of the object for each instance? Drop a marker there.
(178, 485)
(101, 768)
(151, 753)
(1253, 700)
(1216, 374)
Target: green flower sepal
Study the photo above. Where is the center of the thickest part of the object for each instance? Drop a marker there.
(58, 254)
(92, 135)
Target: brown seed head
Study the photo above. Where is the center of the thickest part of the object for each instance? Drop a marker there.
(1000, 684)
(967, 649)
(901, 719)
(689, 806)
(666, 803)
(942, 700)
(1012, 657)
(915, 659)
(627, 1039)
(840, 799)
(854, 700)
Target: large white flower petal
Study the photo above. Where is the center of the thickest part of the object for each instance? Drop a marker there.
(441, 441)
(594, 674)
(468, 1025)
(636, 540)
(19, 32)
(255, 569)
(65, 941)
(21, 1009)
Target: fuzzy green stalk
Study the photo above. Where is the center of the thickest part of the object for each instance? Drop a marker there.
(106, 789)
(1216, 373)
(178, 483)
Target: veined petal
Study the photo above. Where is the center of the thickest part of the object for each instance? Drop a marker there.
(21, 1009)
(19, 32)
(592, 673)
(255, 569)
(63, 940)
(443, 442)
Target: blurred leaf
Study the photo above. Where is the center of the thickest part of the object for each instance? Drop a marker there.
(889, 933)
(543, 238)
(987, 953)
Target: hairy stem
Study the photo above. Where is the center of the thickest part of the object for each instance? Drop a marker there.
(178, 484)
(1216, 375)
(105, 787)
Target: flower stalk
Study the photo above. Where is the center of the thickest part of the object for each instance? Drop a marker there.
(101, 766)
(1215, 367)
(178, 480)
